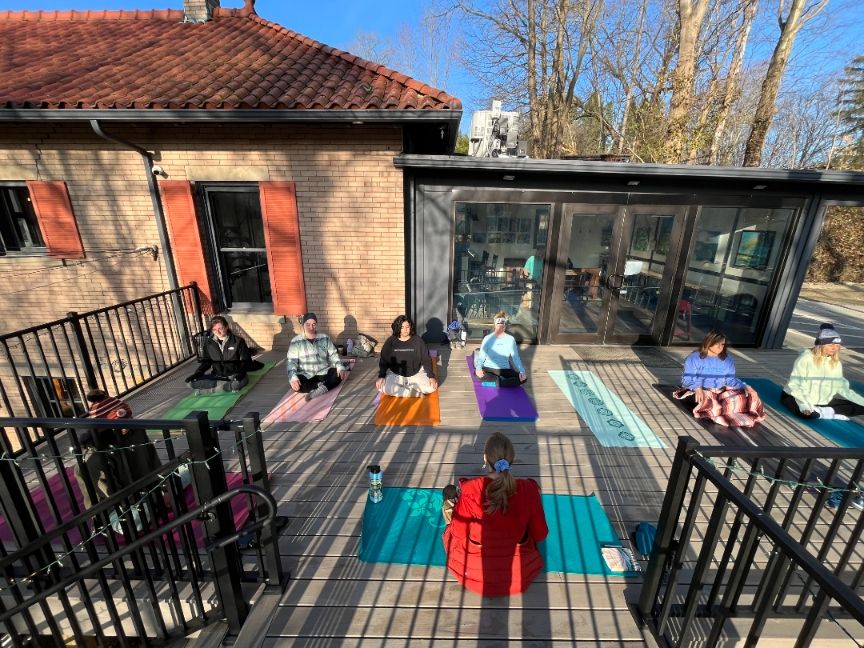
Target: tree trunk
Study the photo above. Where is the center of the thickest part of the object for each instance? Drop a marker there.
(690, 16)
(789, 29)
(733, 78)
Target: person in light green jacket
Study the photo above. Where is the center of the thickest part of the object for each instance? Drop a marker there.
(817, 388)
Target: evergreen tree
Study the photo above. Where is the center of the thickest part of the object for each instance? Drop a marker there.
(852, 114)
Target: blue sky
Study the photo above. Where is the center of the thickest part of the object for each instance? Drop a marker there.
(824, 48)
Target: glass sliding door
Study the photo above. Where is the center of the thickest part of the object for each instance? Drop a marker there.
(498, 264)
(646, 245)
(733, 260)
(586, 257)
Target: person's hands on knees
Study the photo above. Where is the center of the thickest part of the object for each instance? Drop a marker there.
(342, 374)
(295, 383)
(523, 376)
(479, 373)
(700, 395)
(434, 383)
(379, 384)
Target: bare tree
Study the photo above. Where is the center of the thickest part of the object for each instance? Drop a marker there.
(535, 50)
(691, 14)
(799, 14)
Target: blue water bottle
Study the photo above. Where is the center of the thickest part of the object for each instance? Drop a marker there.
(376, 488)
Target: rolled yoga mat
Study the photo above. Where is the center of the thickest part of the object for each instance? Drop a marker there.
(405, 528)
(217, 404)
(293, 406)
(609, 419)
(848, 434)
(501, 403)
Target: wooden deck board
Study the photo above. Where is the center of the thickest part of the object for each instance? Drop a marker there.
(319, 480)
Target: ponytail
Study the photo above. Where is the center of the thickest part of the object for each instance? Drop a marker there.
(500, 455)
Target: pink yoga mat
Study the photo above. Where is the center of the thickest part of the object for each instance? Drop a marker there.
(294, 408)
(239, 506)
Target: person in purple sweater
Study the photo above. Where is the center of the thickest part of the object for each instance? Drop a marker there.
(710, 385)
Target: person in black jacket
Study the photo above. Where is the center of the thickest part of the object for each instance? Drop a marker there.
(405, 368)
(224, 356)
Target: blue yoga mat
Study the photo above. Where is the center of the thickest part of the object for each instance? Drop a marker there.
(405, 528)
(848, 434)
(614, 425)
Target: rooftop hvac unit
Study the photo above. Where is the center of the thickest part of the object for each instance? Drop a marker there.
(495, 133)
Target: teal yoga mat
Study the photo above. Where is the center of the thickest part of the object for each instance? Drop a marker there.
(848, 434)
(218, 403)
(614, 425)
(405, 528)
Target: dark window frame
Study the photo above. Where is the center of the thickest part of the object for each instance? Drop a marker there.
(11, 243)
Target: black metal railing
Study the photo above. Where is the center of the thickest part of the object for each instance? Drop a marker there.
(149, 561)
(751, 534)
(46, 370)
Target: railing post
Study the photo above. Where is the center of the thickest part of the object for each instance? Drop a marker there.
(666, 525)
(209, 475)
(19, 515)
(258, 472)
(87, 362)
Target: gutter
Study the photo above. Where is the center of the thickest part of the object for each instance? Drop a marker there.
(164, 241)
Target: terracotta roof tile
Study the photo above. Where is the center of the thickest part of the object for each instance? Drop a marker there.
(152, 59)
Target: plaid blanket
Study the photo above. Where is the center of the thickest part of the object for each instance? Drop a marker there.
(727, 407)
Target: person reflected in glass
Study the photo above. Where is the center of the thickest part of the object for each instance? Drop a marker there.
(710, 386)
(494, 523)
(816, 387)
(405, 367)
(498, 356)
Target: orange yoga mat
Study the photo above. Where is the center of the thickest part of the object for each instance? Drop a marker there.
(408, 411)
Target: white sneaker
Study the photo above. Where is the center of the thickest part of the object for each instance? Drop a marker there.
(318, 391)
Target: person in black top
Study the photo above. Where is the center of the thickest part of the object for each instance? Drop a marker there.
(224, 356)
(405, 368)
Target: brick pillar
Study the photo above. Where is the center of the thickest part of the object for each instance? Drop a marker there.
(199, 10)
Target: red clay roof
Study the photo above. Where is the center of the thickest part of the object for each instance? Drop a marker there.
(152, 59)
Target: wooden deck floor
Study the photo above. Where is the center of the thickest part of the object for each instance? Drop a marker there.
(320, 482)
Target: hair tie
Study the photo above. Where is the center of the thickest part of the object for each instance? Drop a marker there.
(501, 465)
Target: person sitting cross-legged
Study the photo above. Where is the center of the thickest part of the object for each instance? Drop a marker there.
(494, 525)
(817, 388)
(498, 356)
(405, 368)
(313, 363)
(224, 357)
(709, 385)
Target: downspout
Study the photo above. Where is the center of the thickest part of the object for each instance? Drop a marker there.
(158, 212)
(164, 241)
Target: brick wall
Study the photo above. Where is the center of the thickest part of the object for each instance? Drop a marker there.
(349, 197)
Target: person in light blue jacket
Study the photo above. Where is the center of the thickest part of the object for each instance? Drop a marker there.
(498, 356)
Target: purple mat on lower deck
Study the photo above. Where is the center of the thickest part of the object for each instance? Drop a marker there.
(497, 404)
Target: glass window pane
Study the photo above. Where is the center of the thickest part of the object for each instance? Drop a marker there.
(237, 219)
(587, 261)
(499, 263)
(247, 276)
(18, 227)
(643, 272)
(733, 258)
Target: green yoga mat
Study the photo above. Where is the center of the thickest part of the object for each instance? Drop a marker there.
(405, 528)
(218, 403)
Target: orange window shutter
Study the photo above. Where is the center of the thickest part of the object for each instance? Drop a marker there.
(282, 238)
(56, 221)
(186, 242)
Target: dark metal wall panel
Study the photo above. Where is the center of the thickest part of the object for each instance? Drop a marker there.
(432, 258)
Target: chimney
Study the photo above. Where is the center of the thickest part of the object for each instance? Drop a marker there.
(199, 10)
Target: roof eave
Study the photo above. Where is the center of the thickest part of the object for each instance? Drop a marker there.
(527, 165)
(229, 115)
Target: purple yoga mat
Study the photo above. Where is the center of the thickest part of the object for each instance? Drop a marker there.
(239, 506)
(497, 404)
